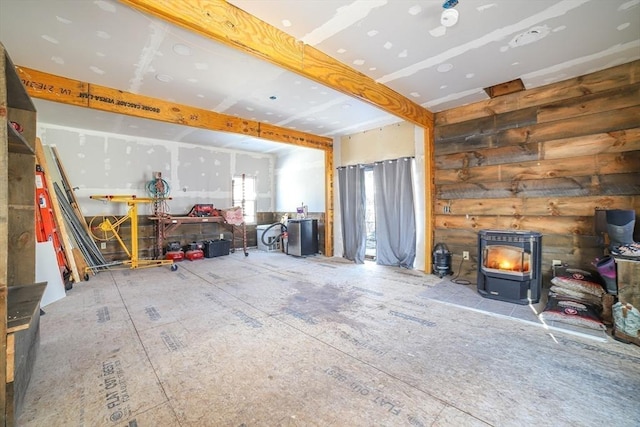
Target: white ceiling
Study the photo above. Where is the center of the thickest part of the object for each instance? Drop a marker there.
(399, 43)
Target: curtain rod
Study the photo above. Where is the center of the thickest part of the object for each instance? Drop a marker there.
(364, 165)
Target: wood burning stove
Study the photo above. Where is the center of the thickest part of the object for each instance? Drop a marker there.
(509, 265)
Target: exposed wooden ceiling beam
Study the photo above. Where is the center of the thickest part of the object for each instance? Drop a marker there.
(234, 27)
(73, 92)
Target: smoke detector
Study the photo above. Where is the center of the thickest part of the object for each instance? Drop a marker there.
(449, 17)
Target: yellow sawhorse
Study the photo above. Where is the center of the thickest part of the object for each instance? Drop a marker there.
(107, 229)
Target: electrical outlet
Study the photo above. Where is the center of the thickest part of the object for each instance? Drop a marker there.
(465, 255)
(103, 245)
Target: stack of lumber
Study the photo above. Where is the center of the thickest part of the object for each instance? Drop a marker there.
(80, 249)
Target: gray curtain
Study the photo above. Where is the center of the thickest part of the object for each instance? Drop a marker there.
(352, 209)
(395, 214)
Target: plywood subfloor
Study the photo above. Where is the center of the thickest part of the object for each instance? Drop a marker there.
(273, 340)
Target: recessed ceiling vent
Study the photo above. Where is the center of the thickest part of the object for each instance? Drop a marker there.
(530, 36)
(505, 88)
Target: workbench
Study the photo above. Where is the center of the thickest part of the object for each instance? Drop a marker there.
(167, 224)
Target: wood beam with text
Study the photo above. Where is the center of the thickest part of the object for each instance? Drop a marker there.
(73, 92)
(236, 28)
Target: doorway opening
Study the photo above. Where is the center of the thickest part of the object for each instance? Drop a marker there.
(370, 214)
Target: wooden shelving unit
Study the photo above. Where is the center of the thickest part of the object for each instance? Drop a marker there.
(19, 295)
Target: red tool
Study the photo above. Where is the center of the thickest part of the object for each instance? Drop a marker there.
(203, 210)
(46, 228)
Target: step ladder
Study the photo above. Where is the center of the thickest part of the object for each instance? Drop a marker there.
(46, 229)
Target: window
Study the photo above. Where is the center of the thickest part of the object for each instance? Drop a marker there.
(243, 194)
(369, 213)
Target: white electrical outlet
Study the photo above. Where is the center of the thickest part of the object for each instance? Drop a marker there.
(103, 245)
(465, 255)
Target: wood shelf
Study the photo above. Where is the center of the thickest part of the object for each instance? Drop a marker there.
(17, 96)
(22, 304)
(170, 223)
(17, 143)
(19, 295)
(173, 222)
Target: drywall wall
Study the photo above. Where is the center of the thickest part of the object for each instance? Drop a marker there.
(300, 179)
(99, 163)
(389, 142)
(419, 197)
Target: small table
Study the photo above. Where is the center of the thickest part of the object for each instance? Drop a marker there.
(628, 278)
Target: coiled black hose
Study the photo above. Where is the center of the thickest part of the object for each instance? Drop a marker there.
(283, 230)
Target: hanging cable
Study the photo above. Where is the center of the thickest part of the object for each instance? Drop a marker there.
(460, 281)
(159, 190)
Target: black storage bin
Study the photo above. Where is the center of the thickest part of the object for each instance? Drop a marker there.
(214, 248)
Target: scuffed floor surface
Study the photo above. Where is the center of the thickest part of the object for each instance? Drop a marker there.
(273, 340)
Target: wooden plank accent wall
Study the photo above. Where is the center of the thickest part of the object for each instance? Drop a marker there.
(541, 160)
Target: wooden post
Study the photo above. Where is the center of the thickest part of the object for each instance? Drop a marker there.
(429, 197)
(328, 190)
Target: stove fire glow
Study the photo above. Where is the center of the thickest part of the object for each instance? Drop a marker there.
(507, 259)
